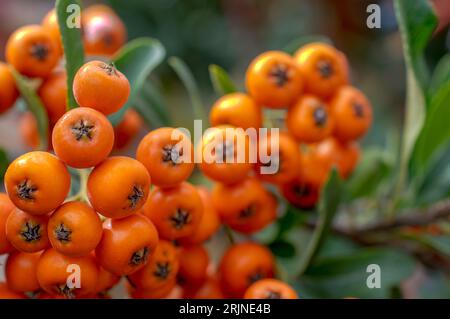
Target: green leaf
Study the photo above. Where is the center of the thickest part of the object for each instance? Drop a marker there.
(4, 162)
(296, 44)
(345, 276)
(221, 81)
(283, 249)
(292, 219)
(329, 201)
(416, 21)
(436, 131)
(73, 46)
(155, 104)
(34, 105)
(369, 174)
(137, 60)
(438, 243)
(441, 75)
(186, 76)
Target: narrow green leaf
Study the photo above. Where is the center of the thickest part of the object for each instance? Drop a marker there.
(369, 174)
(436, 131)
(416, 21)
(4, 162)
(221, 81)
(34, 105)
(72, 43)
(282, 248)
(297, 43)
(186, 76)
(154, 98)
(439, 243)
(328, 205)
(346, 276)
(441, 75)
(137, 60)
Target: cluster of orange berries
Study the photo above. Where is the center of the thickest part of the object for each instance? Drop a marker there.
(137, 218)
(36, 51)
(324, 117)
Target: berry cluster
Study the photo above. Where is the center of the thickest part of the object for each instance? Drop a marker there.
(323, 117)
(140, 218)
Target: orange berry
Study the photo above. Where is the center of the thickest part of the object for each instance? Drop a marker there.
(20, 271)
(26, 232)
(126, 244)
(101, 86)
(118, 187)
(74, 229)
(83, 137)
(274, 80)
(32, 51)
(37, 182)
(352, 113)
(270, 289)
(104, 33)
(52, 274)
(8, 93)
(167, 153)
(175, 211)
(236, 109)
(309, 120)
(323, 68)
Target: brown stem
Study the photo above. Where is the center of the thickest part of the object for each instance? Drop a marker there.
(414, 217)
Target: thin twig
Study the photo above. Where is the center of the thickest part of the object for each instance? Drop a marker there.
(414, 217)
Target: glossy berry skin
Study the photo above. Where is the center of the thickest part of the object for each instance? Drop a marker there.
(52, 274)
(126, 244)
(175, 211)
(50, 23)
(301, 193)
(242, 265)
(83, 137)
(270, 289)
(74, 229)
(32, 51)
(236, 109)
(323, 68)
(194, 262)
(118, 187)
(279, 158)
(27, 233)
(343, 155)
(161, 269)
(127, 129)
(352, 113)
(209, 222)
(246, 207)
(224, 154)
(274, 80)
(7, 293)
(309, 120)
(29, 186)
(167, 153)
(101, 86)
(53, 93)
(6, 207)
(8, 93)
(20, 271)
(104, 32)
